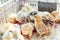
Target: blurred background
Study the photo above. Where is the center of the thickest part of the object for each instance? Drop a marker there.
(14, 6)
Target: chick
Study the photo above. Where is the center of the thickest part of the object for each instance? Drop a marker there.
(40, 26)
(54, 14)
(27, 8)
(57, 16)
(7, 36)
(15, 30)
(11, 18)
(27, 29)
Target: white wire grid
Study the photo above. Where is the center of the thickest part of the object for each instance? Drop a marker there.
(11, 6)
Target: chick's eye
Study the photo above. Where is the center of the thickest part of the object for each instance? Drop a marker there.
(51, 23)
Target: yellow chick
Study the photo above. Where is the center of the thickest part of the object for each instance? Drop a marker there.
(27, 29)
(11, 18)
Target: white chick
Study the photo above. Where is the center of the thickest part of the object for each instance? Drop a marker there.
(25, 11)
(10, 28)
(4, 27)
(27, 29)
(15, 29)
(27, 8)
(19, 16)
(7, 36)
(10, 36)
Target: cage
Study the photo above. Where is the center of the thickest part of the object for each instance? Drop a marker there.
(14, 6)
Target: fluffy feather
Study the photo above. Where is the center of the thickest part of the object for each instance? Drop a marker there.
(27, 29)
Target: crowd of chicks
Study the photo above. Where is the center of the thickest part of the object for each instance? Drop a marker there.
(26, 23)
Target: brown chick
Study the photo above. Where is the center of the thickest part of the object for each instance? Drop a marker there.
(57, 20)
(40, 26)
(54, 14)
